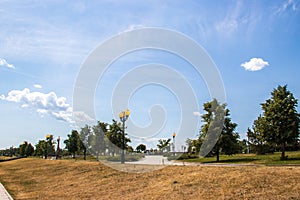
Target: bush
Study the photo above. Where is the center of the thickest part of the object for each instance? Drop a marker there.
(184, 156)
(128, 158)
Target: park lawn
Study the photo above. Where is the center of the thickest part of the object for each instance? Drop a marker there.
(31, 178)
(268, 159)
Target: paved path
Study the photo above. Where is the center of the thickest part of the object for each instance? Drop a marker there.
(4, 195)
(160, 160)
(152, 160)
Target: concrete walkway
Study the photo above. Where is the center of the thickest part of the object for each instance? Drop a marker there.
(4, 195)
(152, 160)
(160, 160)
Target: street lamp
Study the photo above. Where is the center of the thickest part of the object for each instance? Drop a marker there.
(123, 117)
(48, 136)
(58, 148)
(174, 135)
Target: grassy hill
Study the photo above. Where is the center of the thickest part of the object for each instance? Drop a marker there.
(65, 179)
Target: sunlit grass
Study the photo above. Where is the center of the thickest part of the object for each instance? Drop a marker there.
(31, 178)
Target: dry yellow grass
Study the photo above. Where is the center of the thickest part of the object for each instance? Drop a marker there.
(46, 179)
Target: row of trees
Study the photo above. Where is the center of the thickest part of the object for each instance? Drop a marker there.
(276, 128)
(100, 139)
(42, 148)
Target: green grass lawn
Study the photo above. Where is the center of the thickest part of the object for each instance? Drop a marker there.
(268, 159)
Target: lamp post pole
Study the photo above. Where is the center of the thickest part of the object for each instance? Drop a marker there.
(58, 148)
(174, 135)
(123, 117)
(48, 136)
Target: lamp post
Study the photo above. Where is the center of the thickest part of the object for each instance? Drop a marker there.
(174, 135)
(123, 117)
(48, 136)
(58, 148)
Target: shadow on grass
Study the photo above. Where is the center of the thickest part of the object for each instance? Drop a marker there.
(10, 159)
(290, 159)
(234, 160)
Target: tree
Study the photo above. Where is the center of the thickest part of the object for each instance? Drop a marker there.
(85, 134)
(193, 145)
(164, 145)
(243, 147)
(73, 142)
(281, 120)
(29, 150)
(216, 120)
(115, 137)
(141, 148)
(99, 131)
(49, 148)
(256, 137)
(21, 149)
(40, 148)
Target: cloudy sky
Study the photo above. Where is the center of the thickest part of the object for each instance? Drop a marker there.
(43, 45)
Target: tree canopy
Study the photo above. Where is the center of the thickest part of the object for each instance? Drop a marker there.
(217, 134)
(279, 123)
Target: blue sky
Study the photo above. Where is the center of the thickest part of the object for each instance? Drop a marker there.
(254, 44)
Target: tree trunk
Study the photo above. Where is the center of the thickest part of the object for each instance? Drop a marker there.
(84, 154)
(218, 155)
(283, 151)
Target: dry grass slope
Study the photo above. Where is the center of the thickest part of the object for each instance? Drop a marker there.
(46, 179)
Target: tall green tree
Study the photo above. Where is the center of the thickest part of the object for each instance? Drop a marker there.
(40, 148)
(85, 137)
(115, 138)
(217, 121)
(29, 150)
(73, 143)
(49, 146)
(281, 118)
(21, 149)
(99, 131)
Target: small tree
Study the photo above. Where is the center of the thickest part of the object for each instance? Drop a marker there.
(141, 148)
(164, 145)
(227, 142)
(193, 145)
(73, 142)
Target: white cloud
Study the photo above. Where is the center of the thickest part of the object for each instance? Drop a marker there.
(81, 117)
(43, 103)
(133, 27)
(287, 4)
(4, 63)
(196, 113)
(231, 21)
(37, 86)
(255, 64)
